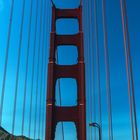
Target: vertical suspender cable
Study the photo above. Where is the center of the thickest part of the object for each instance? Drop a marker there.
(26, 72)
(33, 69)
(6, 60)
(48, 38)
(42, 66)
(44, 92)
(129, 73)
(40, 91)
(108, 92)
(18, 66)
(81, 1)
(60, 98)
(38, 65)
(84, 26)
(59, 94)
(89, 62)
(43, 74)
(41, 70)
(43, 97)
(91, 70)
(127, 70)
(93, 97)
(98, 66)
(88, 67)
(85, 29)
(47, 17)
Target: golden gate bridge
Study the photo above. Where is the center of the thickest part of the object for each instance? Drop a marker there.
(36, 89)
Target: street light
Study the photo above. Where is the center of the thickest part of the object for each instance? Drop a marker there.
(97, 126)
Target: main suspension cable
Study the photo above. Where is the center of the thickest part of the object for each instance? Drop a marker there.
(108, 92)
(6, 60)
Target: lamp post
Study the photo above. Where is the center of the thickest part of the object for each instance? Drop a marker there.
(97, 126)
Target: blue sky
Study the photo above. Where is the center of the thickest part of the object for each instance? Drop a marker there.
(68, 55)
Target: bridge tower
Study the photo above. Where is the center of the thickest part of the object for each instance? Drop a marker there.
(76, 114)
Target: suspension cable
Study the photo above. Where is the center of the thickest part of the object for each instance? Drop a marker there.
(6, 60)
(108, 92)
(40, 91)
(127, 71)
(18, 66)
(129, 74)
(52, 3)
(26, 71)
(38, 69)
(47, 17)
(98, 66)
(59, 93)
(86, 24)
(88, 66)
(33, 69)
(81, 1)
(93, 97)
(43, 74)
(60, 98)
(85, 42)
(91, 66)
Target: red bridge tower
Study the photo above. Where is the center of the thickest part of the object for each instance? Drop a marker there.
(76, 114)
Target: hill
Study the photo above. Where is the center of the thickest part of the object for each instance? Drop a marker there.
(4, 135)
